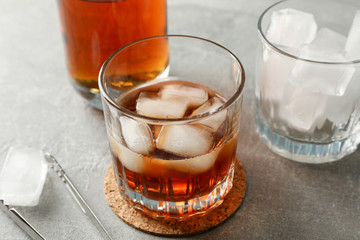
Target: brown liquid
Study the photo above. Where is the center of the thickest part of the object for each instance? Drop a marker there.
(167, 177)
(93, 30)
(163, 182)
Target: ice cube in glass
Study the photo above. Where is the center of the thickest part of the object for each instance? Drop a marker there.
(192, 96)
(352, 47)
(210, 106)
(137, 135)
(185, 140)
(131, 160)
(303, 110)
(292, 28)
(153, 106)
(275, 72)
(324, 78)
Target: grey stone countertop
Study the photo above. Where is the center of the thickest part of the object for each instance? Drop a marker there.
(39, 108)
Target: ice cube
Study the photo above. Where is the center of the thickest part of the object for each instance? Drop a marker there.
(352, 46)
(291, 28)
(192, 96)
(160, 108)
(340, 108)
(328, 79)
(193, 165)
(129, 159)
(23, 176)
(137, 135)
(275, 72)
(303, 110)
(185, 140)
(214, 121)
(328, 40)
(113, 123)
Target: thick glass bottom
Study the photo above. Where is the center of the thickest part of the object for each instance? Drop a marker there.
(306, 152)
(182, 209)
(92, 95)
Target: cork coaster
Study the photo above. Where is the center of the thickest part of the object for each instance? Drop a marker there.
(193, 225)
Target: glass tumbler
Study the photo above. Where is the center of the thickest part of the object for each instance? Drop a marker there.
(173, 139)
(308, 79)
(94, 29)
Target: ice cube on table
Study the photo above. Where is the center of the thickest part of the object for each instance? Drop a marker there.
(160, 108)
(192, 96)
(23, 176)
(328, 79)
(303, 110)
(292, 28)
(214, 121)
(352, 46)
(129, 159)
(137, 135)
(184, 140)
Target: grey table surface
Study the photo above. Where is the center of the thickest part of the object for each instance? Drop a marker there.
(39, 108)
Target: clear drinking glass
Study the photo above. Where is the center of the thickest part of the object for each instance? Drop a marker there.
(308, 79)
(173, 139)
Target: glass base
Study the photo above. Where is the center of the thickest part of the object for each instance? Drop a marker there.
(305, 152)
(182, 209)
(92, 95)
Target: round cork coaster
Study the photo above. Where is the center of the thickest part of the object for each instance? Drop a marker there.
(190, 226)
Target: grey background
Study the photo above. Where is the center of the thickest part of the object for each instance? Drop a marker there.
(39, 108)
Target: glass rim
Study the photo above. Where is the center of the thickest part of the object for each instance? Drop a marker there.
(266, 41)
(225, 105)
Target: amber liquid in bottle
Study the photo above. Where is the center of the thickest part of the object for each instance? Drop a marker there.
(93, 30)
